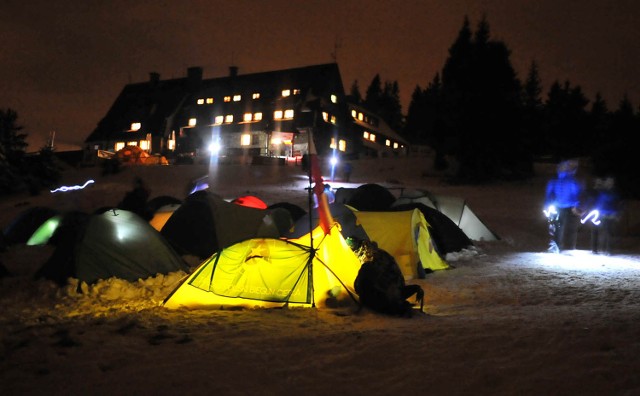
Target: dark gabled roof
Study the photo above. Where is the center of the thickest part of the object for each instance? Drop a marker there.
(154, 103)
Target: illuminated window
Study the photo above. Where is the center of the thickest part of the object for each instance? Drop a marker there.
(132, 143)
(257, 116)
(119, 146)
(296, 92)
(276, 141)
(325, 116)
(360, 116)
(354, 114)
(192, 122)
(228, 118)
(255, 96)
(247, 117)
(218, 120)
(372, 137)
(288, 114)
(388, 142)
(245, 140)
(333, 143)
(286, 92)
(171, 144)
(236, 98)
(227, 98)
(136, 126)
(144, 144)
(200, 101)
(333, 119)
(334, 99)
(395, 145)
(209, 100)
(277, 115)
(342, 145)
(365, 135)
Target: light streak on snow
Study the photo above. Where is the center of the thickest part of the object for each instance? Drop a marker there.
(72, 188)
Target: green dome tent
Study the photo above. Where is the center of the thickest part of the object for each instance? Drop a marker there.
(116, 243)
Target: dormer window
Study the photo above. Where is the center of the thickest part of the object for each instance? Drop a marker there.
(228, 118)
(247, 117)
(209, 100)
(288, 114)
(277, 115)
(257, 116)
(135, 126)
(296, 92)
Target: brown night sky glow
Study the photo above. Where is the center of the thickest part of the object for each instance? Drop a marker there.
(64, 62)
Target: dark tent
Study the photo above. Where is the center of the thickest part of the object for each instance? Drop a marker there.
(163, 200)
(295, 211)
(349, 226)
(205, 223)
(371, 198)
(117, 243)
(26, 223)
(448, 237)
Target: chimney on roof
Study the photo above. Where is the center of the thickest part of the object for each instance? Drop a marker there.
(194, 77)
(154, 78)
(233, 71)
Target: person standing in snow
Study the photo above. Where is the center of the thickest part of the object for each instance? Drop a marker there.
(607, 204)
(562, 203)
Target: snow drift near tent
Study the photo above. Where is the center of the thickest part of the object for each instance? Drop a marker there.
(268, 272)
(455, 208)
(115, 243)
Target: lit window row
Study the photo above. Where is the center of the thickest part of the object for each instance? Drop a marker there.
(342, 144)
(328, 118)
(369, 136)
(372, 137)
(358, 115)
(228, 98)
(283, 114)
(144, 144)
(289, 92)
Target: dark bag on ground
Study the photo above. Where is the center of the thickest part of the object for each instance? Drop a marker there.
(381, 286)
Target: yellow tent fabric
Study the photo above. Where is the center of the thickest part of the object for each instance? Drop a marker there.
(161, 216)
(270, 272)
(404, 235)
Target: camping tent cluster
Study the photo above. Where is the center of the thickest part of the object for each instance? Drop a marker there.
(251, 254)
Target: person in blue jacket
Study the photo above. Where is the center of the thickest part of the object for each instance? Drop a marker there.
(562, 204)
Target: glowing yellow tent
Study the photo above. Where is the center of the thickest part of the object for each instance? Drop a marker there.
(270, 272)
(404, 235)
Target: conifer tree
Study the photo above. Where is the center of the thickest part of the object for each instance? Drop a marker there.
(354, 94)
(12, 150)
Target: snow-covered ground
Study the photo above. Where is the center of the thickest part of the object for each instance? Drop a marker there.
(507, 319)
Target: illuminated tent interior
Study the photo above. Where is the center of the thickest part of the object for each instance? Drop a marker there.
(26, 223)
(116, 243)
(405, 235)
(269, 272)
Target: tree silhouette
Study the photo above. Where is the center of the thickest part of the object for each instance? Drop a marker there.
(354, 94)
(12, 151)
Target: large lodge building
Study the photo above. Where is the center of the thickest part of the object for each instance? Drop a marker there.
(268, 114)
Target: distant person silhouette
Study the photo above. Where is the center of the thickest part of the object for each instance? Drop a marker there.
(562, 203)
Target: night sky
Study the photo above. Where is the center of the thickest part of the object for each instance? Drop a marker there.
(64, 62)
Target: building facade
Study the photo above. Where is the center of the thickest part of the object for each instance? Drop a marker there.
(268, 114)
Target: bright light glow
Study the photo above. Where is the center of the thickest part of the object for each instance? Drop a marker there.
(333, 119)
(245, 140)
(288, 114)
(334, 99)
(200, 101)
(334, 161)
(135, 126)
(277, 115)
(171, 144)
(365, 135)
(218, 120)
(227, 98)
(593, 216)
(276, 141)
(354, 114)
(228, 118)
(145, 145)
(296, 91)
(551, 210)
(215, 148)
(286, 92)
(360, 116)
(256, 95)
(325, 116)
(209, 100)
(372, 137)
(395, 145)
(247, 117)
(257, 116)
(237, 98)
(192, 122)
(119, 146)
(132, 143)
(72, 188)
(342, 145)
(388, 142)
(333, 143)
